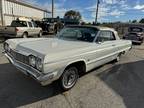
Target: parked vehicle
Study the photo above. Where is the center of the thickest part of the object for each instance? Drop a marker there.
(67, 22)
(54, 25)
(75, 50)
(21, 27)
(51, 25)
(136, 34)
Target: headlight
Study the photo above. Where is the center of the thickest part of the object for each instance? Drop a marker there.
(6, 47)
(32, 61)
(39, 64)
(35, 62)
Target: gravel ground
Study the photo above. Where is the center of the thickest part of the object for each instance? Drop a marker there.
(118, 85)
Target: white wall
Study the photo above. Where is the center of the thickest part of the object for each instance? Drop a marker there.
(11, 9)
(8, 20)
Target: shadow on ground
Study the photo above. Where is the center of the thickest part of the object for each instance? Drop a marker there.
(17, 89)
(127, 80)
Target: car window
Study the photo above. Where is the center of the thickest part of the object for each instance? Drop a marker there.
(78, 33)
(30, 24)
(106, 36)
(112, 36)
(35, 25)
(19, 23)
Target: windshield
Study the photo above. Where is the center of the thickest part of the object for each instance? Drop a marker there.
(19, 24)
(78, 33)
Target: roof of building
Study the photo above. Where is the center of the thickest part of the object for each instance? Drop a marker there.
(29, 5)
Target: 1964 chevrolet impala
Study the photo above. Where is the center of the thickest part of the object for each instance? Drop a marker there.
(75, 50)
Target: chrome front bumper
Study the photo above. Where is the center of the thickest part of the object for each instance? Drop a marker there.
(43, 79)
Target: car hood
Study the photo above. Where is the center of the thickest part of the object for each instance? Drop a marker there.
(47, 46)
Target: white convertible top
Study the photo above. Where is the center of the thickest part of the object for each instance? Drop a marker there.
(99, 28)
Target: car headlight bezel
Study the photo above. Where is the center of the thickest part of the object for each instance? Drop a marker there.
(6, 47)
(32, 60)
(39, 64)
(36, 62)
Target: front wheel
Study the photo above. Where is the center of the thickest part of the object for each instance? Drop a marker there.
(142, 41)
(40, 34)
(69, 78)
(119, 56)
(25, 35)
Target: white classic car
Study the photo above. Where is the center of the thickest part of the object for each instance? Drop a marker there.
(75, 50)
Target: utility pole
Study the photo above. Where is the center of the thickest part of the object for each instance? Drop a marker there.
(1, 13)
(13, 14)
(97, 8)
(52, 8)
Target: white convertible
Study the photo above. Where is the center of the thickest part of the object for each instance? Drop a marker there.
(75, 50)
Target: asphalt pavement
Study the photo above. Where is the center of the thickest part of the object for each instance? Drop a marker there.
(114, 85)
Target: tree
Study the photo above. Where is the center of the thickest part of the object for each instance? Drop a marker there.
(134, 21)
(142, 20)
(73, 15)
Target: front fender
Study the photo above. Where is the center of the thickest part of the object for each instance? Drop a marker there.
(60, 66)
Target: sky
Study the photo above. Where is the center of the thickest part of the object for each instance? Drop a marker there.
(109, 10)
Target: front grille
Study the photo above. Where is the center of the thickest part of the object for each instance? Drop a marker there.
(19, 57)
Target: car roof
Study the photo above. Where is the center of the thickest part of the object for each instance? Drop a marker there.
(93, 26)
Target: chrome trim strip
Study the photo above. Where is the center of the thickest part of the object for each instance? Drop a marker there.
(107, 56)
(86, 54)
(77, 55)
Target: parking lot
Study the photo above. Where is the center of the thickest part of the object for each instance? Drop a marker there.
(114, 85)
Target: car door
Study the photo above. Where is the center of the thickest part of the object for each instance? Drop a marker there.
(36, 29)
(30, 29)
(104, 48)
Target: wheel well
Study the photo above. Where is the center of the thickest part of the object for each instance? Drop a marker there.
(26, 32)
(40, 31)
(80, 65)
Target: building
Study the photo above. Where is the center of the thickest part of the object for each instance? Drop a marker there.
(12, 9)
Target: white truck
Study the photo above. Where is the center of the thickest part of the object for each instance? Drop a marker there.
(76, 50)
(21, 27)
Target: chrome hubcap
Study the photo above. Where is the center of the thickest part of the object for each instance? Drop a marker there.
(70, 77)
